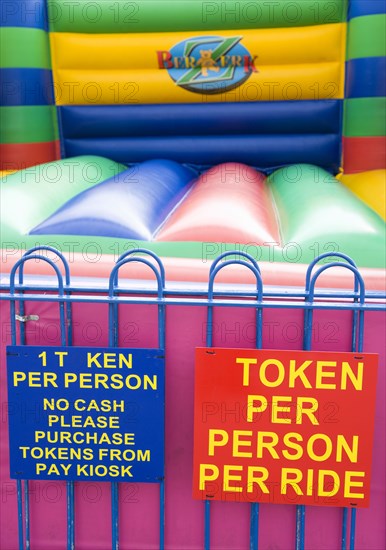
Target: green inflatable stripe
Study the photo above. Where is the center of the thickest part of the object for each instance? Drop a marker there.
(365, 117)
(29, 196)
(125, 16)
(24, 47)
(28, 124)
(318, 214)
(367, 36)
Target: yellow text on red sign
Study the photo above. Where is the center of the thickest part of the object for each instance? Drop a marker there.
(284, 426)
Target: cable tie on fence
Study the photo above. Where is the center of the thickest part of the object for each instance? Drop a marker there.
(25, 318)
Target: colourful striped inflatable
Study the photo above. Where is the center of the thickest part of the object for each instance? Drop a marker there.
(29, 130)
(365, 108)
(191, 129)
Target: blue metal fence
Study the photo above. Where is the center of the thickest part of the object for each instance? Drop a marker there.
(65, 294)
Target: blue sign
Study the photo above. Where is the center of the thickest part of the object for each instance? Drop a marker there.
(82, 414)
(208, 64)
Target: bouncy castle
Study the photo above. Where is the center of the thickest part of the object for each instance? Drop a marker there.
(235, 152)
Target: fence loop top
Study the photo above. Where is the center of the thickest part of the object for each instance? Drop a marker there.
(349, 260)
(149, 253)
(250, 266)
(359, 282)
(20, 263)
(54, 251)
(234, 253)
(113, 279)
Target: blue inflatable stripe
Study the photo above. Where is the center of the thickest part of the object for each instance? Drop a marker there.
(366, 77)
(280, 117)
(26, 87)
(264, 152)
(357, 8)
(130, 205)
(263, 134)
(23, 13)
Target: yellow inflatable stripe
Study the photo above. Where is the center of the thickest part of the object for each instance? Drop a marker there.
(301, 63)
(139, 51)
(370, 187)
(292, 82)
(5, 173)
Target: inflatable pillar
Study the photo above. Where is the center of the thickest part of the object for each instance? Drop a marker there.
(364, 141)
(29, 133)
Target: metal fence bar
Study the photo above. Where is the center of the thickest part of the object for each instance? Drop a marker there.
(24, 527)
(229, 254)
(66, 279)
(234, 302)
(254, 526)
(352, 528)
(147, 253)
(26, 482)
(114, 342)
(27, 515)
(294, 292)
(214, 269)
(114, 515)
(300, 526)
(18, 482)
(359, 347)
(307, 344)
(357, 334)
(70, 515)
(70, 493)
(19, 489)
(162, 514)
(207, 525)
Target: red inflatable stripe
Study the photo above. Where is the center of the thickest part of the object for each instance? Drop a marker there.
(364, 153)
(17, 156)
(227, 200)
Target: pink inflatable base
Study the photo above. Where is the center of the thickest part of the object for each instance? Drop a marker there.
(184, 516)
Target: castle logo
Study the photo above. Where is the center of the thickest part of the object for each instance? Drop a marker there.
(208, 64)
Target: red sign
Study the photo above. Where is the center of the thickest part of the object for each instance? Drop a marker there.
(284, 426)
